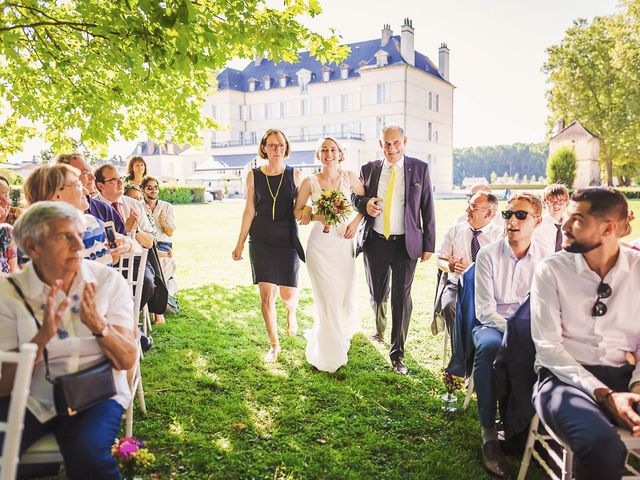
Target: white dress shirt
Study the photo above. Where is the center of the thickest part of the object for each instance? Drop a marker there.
(502, 281)
(397, 207)
(162, 208)
(545, 234)
(125, 205)
(80, 349)
(457, 242)
(565, 333)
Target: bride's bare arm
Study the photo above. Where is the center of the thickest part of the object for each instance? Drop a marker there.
(356, 184)
(301, 211)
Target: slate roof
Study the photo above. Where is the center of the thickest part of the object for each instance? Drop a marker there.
(362, 53)
(239, 160)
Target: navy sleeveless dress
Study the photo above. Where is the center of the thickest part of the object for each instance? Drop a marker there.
(274, 247)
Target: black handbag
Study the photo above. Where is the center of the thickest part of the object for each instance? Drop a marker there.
(75, 392)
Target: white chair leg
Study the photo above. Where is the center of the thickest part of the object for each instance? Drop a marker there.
(470, 390)
(140, 391)
(528, 449)
(146, 320)
(444, 348)
(128, 430)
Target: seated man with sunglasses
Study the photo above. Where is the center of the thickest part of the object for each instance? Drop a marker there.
(584, 307)
(504, 270)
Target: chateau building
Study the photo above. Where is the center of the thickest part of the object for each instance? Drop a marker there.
(382, 81)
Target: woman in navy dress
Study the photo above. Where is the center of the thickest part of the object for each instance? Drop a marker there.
(274, 248)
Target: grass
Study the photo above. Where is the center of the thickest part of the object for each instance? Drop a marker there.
(217, 411)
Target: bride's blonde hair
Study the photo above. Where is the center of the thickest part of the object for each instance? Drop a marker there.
(324, 139)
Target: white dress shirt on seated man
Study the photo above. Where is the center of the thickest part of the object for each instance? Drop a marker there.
(166, 209)
(397, 207)
(502, 281)
(565, 332)
(457, 242)
(125, 206)
(545, 234)
(80, 349)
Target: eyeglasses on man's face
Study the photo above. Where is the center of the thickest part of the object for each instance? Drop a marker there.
(519, 214)
(114, 179)
(599, 308)
(276, 146)
(556, 203)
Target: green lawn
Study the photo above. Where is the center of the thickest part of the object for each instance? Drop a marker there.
(216, 410)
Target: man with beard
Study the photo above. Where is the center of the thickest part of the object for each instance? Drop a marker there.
(504, 270)
(584, 302)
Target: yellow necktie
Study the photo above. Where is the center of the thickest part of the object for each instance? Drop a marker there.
(388, 201)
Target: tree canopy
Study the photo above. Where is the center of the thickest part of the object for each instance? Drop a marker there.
(594, 78)
(113, 69)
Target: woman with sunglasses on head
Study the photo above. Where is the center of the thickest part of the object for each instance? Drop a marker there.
(274, 247)
(504, 271)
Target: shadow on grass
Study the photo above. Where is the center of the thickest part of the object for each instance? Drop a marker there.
(216, 410)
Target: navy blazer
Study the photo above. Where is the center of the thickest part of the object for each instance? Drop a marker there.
(419, 217)
(462, 348)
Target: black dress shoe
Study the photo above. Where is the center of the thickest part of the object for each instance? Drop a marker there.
(378, 337)
(399, 367)
(494, 460)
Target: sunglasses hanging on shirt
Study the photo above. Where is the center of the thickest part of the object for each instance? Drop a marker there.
(599, 308)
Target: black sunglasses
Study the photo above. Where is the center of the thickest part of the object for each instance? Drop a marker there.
(599, 308)
(520, 214)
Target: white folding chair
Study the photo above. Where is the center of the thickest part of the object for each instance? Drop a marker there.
(134, 375)
(470, 389)
(564, 462)
(13, 426)
(135, 281)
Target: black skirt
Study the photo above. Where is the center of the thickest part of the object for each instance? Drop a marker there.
(273, 254)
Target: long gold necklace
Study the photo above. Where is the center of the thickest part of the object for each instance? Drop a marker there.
(274, 197)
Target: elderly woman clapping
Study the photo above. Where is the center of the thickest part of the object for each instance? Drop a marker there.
(80, 312)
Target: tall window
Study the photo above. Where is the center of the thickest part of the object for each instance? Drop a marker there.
(252, 112)
(267, 111)
(267, 82)
(253, 138)
(252, 85)
(283, 109)
(345, 103)
(381, 122)
(241, 138)
(383, 93)
(241, 111)
(435, 136)
(429, 131)
(325, 130)
(214, 113)
(303, 133)
(437, 103)
(326, 104)
(430, 101)
(304, 107)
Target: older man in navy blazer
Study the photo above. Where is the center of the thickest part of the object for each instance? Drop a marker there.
(399, 229)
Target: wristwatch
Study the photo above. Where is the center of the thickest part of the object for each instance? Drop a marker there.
(102, 333)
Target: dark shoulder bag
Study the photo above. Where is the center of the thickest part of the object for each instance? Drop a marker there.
(75, 392)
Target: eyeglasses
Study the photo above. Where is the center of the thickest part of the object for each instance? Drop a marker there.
(115, 179)
(558, 203)
(520, 214)
(276, 146)
(599, 308)
(151, 187)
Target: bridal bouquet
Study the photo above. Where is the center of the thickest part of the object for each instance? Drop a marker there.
(132, 456)
(333, 207)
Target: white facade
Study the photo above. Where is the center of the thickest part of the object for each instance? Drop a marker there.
(352, 109)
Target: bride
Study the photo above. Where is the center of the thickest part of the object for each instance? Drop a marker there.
(330, 262)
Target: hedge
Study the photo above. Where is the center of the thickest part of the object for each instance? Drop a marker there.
(629, 192)
(182, 193)
(16, 191)
(517, 186)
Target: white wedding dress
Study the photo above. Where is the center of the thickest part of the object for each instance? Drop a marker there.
(330, 260)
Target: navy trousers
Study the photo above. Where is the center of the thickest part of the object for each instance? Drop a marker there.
(487, 341)
(581, 424)
(85, 439)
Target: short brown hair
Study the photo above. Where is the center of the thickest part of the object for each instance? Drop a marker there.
(532, 198)
(555, 190)
(262, 152)
(45, 181)
(67, 157)
(604, 202)
(146, 180)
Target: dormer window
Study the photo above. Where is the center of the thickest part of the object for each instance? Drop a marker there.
(266, 80)
(382, 58)
(283, 80)
(344, 71)
(304, 78)
(326, 74)
(252, 84)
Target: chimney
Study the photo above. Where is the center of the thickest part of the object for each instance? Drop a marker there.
(406, 42)
(257, 59)
(387, 33)
(443, 61)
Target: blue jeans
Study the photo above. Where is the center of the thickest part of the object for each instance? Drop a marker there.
(85, 439)
(164, 246)
(487, 341)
